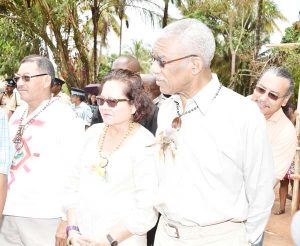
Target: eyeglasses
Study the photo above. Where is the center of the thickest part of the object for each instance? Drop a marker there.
(27, 78)
(162, 63)
(110, 102)
(271, 95)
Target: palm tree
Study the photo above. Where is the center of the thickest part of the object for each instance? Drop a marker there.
(147, 8)
(177, 3)
(142, 54)
(258, 28)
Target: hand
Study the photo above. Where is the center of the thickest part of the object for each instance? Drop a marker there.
(61, 235)
(76, 239)
(92, 243)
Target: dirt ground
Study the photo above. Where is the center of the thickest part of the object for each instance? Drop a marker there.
(277, 232)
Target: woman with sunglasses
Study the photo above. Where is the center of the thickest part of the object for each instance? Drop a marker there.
(110, 200)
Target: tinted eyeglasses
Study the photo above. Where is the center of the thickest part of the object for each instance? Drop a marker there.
(271, 95)
(162, 63)
(26, 77)
(110, 102)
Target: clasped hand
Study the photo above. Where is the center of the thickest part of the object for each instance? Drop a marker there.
(80, 240)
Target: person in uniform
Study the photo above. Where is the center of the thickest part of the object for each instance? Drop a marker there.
(82, 110)
(10, 98)
(57, 92)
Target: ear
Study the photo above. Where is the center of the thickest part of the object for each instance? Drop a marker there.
(285, 100)
(133, 109)
(47, 81)
(197, 65)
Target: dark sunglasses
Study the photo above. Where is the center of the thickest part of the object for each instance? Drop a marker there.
(110, 102)
(162, 63)
(27, 78)
(271, 95)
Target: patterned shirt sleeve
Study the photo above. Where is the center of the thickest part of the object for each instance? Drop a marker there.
(5, 144)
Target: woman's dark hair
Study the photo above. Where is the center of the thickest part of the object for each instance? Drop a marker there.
(134, 91)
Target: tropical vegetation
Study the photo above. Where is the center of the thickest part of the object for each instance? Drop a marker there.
(74, 33)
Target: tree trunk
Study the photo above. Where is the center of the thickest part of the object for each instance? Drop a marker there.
(165, 17)
(121, 30)
(258, 28)
(95, 18)
(232, 73)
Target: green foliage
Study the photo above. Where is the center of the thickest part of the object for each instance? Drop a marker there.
(289, 58)
(15, 43)
(142, 53)
(233, 24)
(105, 66)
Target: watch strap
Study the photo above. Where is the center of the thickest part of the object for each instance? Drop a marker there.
(112, 241)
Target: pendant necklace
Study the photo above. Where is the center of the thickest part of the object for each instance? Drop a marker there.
(177, 122)
(100, 168)
(17, 140)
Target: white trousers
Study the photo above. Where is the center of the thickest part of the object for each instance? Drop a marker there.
(223, 234)
(21, 231)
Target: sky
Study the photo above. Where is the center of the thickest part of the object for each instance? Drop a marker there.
(138, 30)
(290, 9)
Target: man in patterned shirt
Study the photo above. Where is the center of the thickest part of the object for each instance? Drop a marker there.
(5, 157)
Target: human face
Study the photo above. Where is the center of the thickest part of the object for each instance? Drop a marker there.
(55, 89)
(274, 96)
(93, 99)
(35, 88)
(123, 111)
(9, 89)
(173, 77)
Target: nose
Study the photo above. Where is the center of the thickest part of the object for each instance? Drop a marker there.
(264, 96)
(20, 82)
(155, 68)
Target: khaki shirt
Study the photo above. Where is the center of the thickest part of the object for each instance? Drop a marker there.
(10, 103)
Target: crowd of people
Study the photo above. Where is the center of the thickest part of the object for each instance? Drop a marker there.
(171, 158)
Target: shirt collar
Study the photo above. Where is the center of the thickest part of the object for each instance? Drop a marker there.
(277, 115)
(204, 97)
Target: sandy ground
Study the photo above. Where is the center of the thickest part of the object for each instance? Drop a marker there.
(277, 232)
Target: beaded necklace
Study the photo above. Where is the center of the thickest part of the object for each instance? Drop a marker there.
(100, 168)
(17, 140)
(176, 122)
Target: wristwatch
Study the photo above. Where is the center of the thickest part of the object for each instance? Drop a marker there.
(112, 241)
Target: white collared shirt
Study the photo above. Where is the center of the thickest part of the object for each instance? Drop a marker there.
(159, 100)
(223, 168)
(51, 145)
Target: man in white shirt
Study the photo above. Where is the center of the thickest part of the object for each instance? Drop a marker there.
(46, 136)
(216, 172)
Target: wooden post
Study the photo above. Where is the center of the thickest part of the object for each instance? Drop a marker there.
(295, 198)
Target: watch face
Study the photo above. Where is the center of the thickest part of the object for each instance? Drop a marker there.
(114, 243)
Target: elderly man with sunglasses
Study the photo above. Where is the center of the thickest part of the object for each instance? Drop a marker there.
(215, 170)
(46, 137)
(273, 91)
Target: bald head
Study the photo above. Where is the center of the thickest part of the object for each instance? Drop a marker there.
(150, 85)
(128, 63)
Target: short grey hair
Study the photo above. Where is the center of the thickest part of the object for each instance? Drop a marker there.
(282, 73)
(43, 64)
(193, 37)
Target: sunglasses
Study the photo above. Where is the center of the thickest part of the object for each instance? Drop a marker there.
(271, 95)
(110, 102)
(162, 63)
(27, 78)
